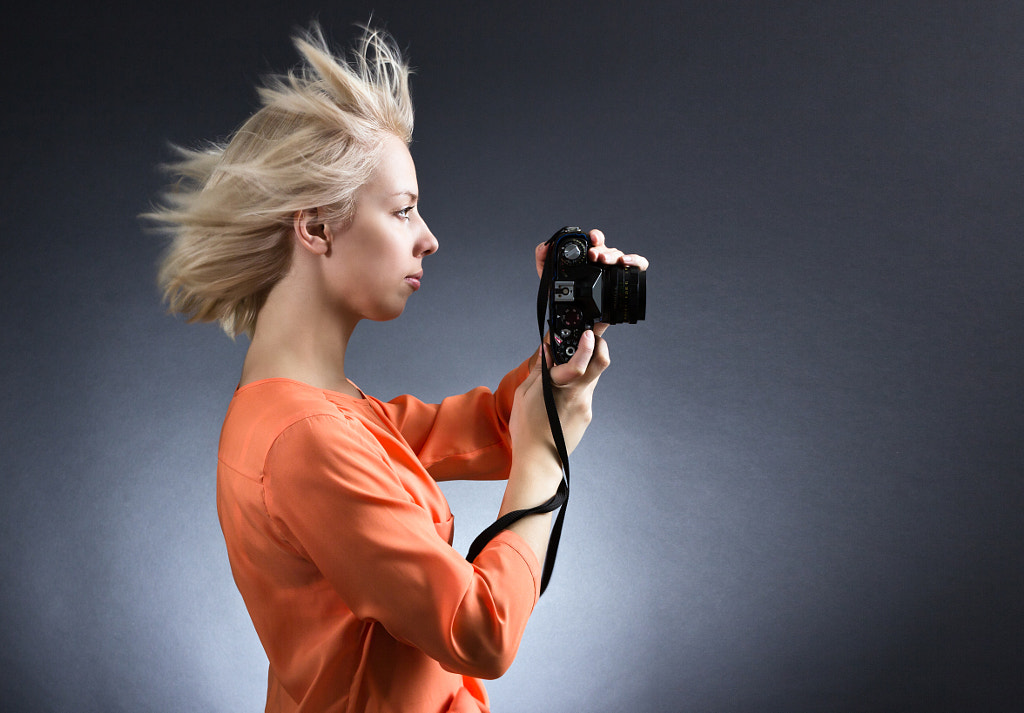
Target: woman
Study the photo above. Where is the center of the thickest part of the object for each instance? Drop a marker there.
(301, 226)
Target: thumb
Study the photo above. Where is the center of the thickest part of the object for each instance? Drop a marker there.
(576, 367)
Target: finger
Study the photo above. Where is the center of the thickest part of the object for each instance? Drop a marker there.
(541, 254)
(599, 328)
(596, 238)
(532, 377)
(636, 261)
(549, 358)
(609, 256)
(537, 356)
(545, 349)
(564, 374)
(599, 360)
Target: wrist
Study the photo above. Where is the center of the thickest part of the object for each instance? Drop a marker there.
(533, 479)
(535, 455)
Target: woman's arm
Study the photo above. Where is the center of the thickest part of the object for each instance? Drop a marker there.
(465, 436)
(338, 497)
(536, 473)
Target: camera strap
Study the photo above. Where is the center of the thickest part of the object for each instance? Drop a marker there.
(561, 497)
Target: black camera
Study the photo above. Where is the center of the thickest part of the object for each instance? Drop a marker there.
(584, 292)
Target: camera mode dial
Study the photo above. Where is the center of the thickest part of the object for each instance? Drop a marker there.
(573, 251)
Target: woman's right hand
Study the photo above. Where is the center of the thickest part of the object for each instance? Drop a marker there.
(536, 473)
(573, 386)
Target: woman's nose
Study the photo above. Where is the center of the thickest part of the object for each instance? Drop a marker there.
(427, 242)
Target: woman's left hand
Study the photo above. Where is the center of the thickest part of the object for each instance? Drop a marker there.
(599, 252)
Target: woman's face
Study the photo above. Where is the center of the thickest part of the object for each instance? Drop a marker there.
(378, 256)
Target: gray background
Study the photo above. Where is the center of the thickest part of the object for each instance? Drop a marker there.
(803, 489)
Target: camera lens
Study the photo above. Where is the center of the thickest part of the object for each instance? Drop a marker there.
(625, 295)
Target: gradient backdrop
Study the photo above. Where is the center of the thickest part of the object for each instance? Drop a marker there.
(803, 488)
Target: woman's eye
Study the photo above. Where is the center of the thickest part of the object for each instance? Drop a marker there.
(404, 213)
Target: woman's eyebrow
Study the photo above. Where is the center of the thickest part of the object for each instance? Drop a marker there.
(412, 196)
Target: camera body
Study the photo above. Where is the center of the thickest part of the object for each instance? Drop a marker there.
(583, 292)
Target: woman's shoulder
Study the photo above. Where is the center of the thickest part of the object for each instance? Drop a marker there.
(283, 401)
(260, 411)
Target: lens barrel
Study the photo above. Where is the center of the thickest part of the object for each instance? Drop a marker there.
(624, 297)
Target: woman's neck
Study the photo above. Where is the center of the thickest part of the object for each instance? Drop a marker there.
(299, 338)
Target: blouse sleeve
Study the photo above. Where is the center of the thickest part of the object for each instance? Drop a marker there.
(333, 494)
(464, 437)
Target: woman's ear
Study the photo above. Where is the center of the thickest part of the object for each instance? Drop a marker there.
(311, 232)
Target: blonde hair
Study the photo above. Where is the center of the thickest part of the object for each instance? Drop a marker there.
(314, 142)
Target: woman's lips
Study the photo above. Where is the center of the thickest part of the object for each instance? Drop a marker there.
(414, 280)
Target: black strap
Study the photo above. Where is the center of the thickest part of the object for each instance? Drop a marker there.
(561, 497)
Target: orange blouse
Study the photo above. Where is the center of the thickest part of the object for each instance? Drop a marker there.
(340, 543)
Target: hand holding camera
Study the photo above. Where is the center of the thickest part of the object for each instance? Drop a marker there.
(585, 286)
(590, 285)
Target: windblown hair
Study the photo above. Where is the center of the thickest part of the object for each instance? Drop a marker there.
(315, 140)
